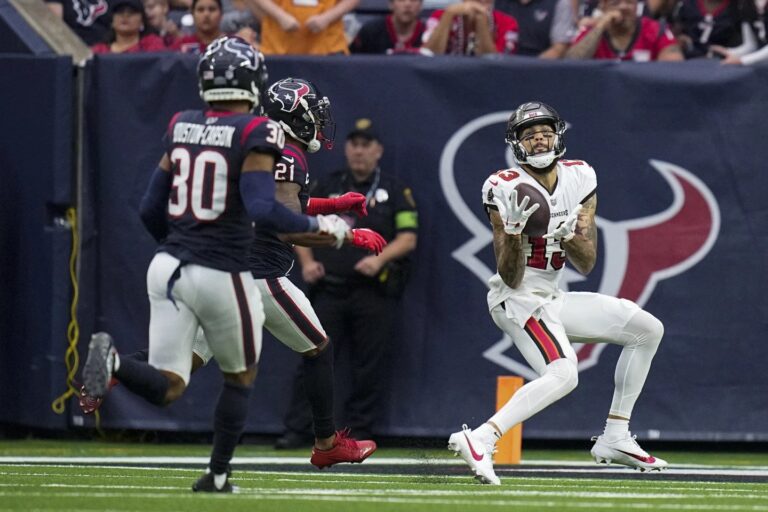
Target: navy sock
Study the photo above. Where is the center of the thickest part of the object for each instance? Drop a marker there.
(318, 384)
(141, 355)
(228, 424)
(142, 379)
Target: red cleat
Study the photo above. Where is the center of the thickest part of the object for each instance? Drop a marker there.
(345, 449)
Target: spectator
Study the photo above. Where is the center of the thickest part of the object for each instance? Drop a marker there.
(241, 17)
(753, 49)
(546, 26)
(87, 18)
(701, 24)
(354, 294)
(130, 32)
(621, 34)
(399, 32)
(156, 12)
(470, 27)
(207, 17)
(304, 27)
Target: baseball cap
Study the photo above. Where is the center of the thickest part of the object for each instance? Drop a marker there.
(136, 5)
(363, 128)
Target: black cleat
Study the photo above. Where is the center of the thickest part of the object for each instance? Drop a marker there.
(206, 484)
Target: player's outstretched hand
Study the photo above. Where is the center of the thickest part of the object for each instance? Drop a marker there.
(333, 225)
(514, 215)
(352, 202)
(566, 230)
(368, 239)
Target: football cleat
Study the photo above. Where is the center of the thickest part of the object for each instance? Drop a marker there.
(97, 372)
(625, 451)
(89, 403)
(345, 449)
(477, 455)
(207, 483)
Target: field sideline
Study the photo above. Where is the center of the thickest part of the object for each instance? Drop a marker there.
(61, 475)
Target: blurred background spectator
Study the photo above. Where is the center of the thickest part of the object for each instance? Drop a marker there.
(546, 27)
(699, 24)
(304, 27)
(470, 28)
(753, 48)
(130, 31)
(620, 33)
(89, 19)
(207, 27)
(241, 17)
(156, 12)
(398, 32)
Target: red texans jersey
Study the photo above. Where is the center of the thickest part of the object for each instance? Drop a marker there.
(649, 40)
(461, 41)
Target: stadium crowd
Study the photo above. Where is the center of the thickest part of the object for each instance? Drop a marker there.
(636, 30)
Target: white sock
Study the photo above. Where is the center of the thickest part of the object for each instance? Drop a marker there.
(219, 480)
(487, 434)
(616, 429)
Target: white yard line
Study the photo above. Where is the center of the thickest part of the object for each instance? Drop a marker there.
(557, 467)
(505, 502)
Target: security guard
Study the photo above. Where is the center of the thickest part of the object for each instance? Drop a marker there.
(355, 294)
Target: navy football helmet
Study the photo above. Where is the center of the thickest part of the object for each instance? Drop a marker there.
(302, 112)
(231, 70)
(527, 115)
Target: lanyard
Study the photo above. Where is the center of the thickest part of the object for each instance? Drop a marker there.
(374, 184)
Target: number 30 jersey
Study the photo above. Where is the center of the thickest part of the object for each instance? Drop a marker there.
(207, 221)
(544, 258)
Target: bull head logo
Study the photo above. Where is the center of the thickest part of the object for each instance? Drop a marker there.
(634, 260)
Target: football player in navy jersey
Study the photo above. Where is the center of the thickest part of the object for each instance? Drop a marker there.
(305, 116)
(213, 182)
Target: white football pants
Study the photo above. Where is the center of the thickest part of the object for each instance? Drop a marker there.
(545, 343)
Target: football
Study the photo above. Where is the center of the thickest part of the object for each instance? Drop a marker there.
(538, 222)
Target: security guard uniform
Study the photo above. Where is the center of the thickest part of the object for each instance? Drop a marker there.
(357, 311)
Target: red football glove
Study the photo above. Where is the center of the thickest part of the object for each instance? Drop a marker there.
(351, 201)
(368, 239)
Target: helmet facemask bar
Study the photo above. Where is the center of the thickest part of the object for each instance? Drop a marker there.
(540, 160)
(325, 127)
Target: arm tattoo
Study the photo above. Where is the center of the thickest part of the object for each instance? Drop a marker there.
(508, 250)
(582, 249)
(585, 49)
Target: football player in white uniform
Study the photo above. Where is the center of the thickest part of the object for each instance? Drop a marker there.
(531, 245)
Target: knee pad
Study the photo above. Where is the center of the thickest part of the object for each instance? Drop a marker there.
(645, 328)
(567, 372)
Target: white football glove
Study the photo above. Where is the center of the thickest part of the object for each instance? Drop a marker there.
(333, 225)
(513, 215)
(567, 229)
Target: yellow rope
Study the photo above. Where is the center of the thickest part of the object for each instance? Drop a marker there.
(71, 357)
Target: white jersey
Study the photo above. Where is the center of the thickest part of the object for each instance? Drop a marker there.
(545, 259)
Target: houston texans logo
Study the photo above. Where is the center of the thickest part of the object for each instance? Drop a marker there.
(635, 259)
(87, 11)
(288, 94)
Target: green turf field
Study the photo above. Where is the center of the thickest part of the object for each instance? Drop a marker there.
(55, 475)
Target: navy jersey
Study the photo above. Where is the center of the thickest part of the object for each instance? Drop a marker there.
(207, 221)
(721, 27)
(270, 257)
